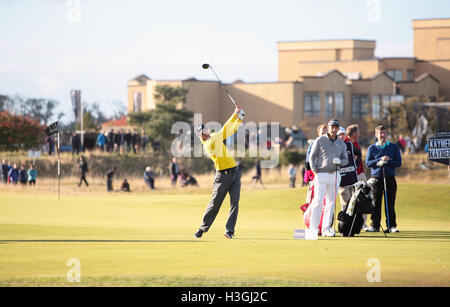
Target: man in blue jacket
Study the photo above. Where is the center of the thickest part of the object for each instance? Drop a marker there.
(383, 154)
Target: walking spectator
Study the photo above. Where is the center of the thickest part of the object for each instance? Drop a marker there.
(292, 171)
(13, 174)
(125, 186)
(258, 174)
(347, 172)
(32, 174)
(383, 154)
(149, 178)
(76, 143)
(109, 179)
(50, 145)
(101, 140)
(23, 178)
(327, 153)
(5, 171)
(83, 170)
(174, 171)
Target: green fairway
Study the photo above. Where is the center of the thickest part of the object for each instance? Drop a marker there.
(147, 239)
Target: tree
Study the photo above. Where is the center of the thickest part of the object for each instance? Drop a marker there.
(41, 109)
(158, 122)
(19, 132)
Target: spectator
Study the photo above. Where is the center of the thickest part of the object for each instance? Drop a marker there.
(134, 141)
(127, 139)
(327, 153)
(174, 171)
(23, 178)
(125, 186)
(111, 138)
(32, 173)
(76, 143)
(347, 172)
(385, 155)
(109, 179)
(292, 171)
(149, 177)
(144, 140)
(83, 170)
(13, 174)
(401, 143)
(186, 179)
(5, 171)
(50, 144)
(101, 140)
(118, 141)
(258, 174)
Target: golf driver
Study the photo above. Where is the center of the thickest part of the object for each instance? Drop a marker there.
(206, 66)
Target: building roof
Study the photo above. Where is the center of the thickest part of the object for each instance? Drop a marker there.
(116, 122)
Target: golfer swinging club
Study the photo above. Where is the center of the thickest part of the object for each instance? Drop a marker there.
(228, 176)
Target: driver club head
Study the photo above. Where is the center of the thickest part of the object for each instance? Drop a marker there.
(205, 66)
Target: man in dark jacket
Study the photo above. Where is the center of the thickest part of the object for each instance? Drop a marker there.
(109, 179)
(76, 143)
(386, 156)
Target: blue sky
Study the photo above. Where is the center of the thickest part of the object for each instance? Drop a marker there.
(48, 47)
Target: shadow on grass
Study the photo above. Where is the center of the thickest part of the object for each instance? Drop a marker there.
(97, 241)
(425, 235)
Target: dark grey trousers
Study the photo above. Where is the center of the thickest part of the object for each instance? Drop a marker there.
(224, 183)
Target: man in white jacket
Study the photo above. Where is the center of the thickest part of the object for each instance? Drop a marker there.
(327, 154)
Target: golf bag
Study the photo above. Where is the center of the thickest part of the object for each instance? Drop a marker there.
(350, 218)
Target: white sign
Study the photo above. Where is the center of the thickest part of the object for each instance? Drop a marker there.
(305, 234)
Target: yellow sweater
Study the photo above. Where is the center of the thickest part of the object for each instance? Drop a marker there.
(216, 149)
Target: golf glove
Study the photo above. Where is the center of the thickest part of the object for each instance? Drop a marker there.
(381, 163)
(337, 161)
(241, 115)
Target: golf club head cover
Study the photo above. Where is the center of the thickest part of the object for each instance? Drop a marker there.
(241, 115)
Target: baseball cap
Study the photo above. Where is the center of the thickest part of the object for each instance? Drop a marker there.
(334, 122)
(341, 130)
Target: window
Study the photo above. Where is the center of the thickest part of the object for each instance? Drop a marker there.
(410, 75)
(339, 104)
(360, 105)
(329, 104)
(384, 107)
(137, 102)
(395, 74)
(311, 104)
(376, 106)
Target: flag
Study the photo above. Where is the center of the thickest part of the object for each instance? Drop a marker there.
(52, 129)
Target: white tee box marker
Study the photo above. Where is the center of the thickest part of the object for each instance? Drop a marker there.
(305, 234)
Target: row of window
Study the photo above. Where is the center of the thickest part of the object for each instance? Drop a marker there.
(334, 104)
(397, 74)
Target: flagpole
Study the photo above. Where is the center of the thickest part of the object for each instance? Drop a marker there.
(59, 172)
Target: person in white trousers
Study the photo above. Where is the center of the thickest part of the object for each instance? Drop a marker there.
(327, 154)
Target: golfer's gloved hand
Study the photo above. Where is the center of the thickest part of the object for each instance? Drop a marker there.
(337, 161)
(241, 114)
(381, 163)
